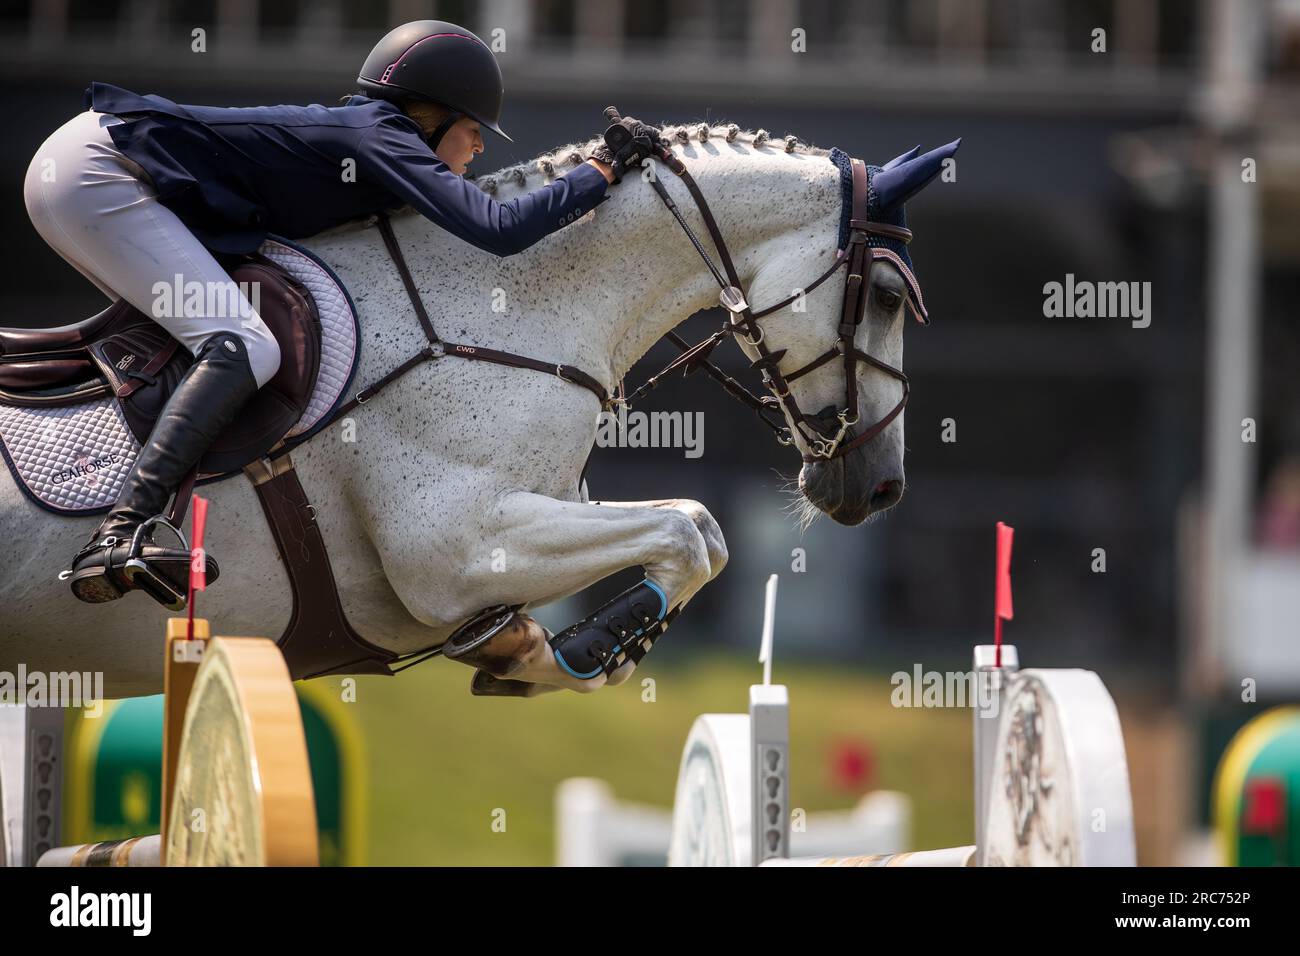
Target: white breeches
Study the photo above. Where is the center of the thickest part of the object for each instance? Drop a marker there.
(99, 210)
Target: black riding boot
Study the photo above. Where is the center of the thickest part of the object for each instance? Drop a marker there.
(121, 555)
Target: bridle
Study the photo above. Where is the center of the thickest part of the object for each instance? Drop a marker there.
(825, 442)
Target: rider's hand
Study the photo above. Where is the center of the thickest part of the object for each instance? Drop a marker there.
(627, 143)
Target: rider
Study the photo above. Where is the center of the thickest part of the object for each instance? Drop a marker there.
(139, 191)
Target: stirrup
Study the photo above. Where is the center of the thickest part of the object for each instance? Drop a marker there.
(141, 575)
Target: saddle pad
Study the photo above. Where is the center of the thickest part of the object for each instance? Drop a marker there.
(339, 331)
(73, 459)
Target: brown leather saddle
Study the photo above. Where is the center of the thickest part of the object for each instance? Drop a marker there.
(125, 353)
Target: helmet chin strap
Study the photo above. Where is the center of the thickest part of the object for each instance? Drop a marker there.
(440, 130)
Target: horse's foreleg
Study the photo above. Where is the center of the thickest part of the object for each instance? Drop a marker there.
(708, 528)
(545, 549)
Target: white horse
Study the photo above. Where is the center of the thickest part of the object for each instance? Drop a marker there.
(461, 489)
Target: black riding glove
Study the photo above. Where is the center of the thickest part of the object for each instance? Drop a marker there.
(627, 143)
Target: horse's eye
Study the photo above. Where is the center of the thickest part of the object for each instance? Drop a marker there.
(888, 299)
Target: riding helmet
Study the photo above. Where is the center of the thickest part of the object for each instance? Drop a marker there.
(440, 62)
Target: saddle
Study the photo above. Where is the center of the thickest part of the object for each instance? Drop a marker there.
(123, 353)
(77, 401)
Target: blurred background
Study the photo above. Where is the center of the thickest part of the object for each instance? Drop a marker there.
(1158, 531)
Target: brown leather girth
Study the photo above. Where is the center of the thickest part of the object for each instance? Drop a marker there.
(318, 639)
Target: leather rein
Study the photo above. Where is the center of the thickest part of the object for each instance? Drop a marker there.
(825, 441)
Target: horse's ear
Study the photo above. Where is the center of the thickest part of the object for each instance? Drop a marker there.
(895, 186)
(903, 157)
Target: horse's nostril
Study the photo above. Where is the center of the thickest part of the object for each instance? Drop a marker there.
(886, 495)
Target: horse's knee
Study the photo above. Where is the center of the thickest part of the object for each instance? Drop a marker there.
(715, 544)
(685, 547)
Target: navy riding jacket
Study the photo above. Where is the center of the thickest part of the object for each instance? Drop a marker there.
(235, 174)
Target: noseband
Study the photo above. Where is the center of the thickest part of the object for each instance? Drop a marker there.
(824, 442)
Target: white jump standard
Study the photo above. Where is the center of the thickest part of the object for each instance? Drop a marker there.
(236, 778)
(1051, 777)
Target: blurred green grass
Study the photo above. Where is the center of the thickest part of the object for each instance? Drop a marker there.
(466, 781)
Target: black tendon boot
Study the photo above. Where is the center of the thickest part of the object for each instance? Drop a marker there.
(624, 629)
(121, 555)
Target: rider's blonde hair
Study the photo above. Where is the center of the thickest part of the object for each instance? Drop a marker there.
(427, 114)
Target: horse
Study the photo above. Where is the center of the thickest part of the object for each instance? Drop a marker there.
(459, 488)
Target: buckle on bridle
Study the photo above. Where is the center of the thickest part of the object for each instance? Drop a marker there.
(771, 387)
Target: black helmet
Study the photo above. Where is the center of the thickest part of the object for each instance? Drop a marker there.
(440, 62)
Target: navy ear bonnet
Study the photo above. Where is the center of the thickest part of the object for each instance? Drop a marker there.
(884, 247)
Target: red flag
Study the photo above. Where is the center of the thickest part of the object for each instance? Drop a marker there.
(198, 565)
(852, 766)
(1002, 587)
(1005, 535)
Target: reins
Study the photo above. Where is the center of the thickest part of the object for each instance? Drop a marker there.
(824, 442)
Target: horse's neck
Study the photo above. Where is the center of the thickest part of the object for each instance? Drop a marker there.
(762, 206)
(599, 293)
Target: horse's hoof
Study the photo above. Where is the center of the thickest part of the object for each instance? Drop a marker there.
(484, 684)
